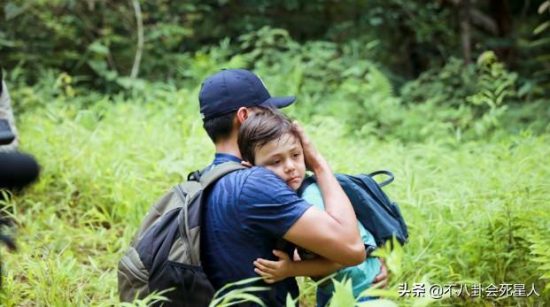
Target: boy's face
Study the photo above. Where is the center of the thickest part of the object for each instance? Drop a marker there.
(285, 158)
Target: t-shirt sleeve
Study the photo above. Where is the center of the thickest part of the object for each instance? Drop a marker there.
(267, 204)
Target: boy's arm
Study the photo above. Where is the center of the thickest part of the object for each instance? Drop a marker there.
(274, 271)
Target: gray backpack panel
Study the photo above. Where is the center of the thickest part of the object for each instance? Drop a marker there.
(165, 253)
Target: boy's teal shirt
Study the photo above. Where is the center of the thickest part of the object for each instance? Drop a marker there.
(362, 274)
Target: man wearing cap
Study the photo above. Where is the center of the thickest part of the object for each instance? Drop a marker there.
(249, 210)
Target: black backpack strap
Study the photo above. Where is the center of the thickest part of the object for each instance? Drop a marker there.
(196, 175)
(383, 172)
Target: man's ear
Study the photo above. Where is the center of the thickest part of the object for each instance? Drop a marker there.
(242, 114)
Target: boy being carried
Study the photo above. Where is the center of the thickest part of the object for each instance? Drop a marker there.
(271, 140)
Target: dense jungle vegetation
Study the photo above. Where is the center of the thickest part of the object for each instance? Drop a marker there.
(453, 96)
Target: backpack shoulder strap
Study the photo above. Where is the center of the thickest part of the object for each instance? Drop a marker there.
(219, 171)
(189, 216)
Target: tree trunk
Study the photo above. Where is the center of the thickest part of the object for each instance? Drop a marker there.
(465, 31)
(500, 10)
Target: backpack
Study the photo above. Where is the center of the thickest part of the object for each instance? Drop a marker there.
(374, 210)
(165, 253)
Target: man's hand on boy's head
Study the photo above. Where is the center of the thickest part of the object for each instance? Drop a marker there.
(314, 160)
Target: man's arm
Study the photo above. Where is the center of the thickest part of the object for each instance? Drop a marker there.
(333, 233)
(318, 267)
(274, 271)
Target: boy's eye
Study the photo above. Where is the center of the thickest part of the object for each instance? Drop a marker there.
(275, 162)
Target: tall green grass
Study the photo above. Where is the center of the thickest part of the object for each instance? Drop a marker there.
(477, 210)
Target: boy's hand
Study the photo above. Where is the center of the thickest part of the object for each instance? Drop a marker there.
(274, 271)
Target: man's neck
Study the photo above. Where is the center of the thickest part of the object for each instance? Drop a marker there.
(228, 147)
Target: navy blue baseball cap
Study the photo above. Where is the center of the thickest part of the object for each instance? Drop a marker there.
(230, 89)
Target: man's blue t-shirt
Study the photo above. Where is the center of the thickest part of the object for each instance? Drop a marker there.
(245, 213)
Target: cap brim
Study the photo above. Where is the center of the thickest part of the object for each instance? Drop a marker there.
(279, 102)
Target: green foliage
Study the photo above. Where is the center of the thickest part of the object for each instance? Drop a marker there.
(465, 141)
(476, 209)
(97, 40)
(335, 59)
(329, 79)
(343, 294)
(457, 102)
(239, 294)
(447, 86)
(496, 86)
(392, 253)
(153, 298)
(539, 251)
(539, 47)
(471, 100)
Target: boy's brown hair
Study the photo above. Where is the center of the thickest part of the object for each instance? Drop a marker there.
(262, 128)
